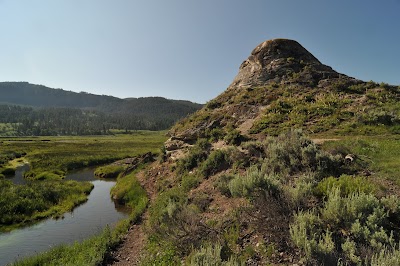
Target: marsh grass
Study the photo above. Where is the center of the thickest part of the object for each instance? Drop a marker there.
(48, 154)
(25, 204)
(50, 158)
(109, 171)
(93, 251)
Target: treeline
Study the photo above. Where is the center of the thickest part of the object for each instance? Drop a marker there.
(29, 121)
(24, 93)
(28, 109)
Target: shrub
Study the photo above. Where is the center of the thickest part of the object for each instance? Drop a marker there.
(210, 254)
(293, 152)
(196, 155)
(201, 200)
(215, 134)
(189, 181)
(254, 148)
(388, 256)
(361, 224)
(347, 185)
(222, 184)
(165, 206)
(301, 190)
(234, 137)
(255, 179)
(216, 161)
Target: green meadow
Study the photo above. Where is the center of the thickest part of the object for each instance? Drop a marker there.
(50, 158)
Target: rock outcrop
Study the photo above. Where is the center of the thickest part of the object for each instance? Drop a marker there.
(276, 61)
(280, 86)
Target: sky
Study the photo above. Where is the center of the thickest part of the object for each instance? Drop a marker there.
(186, 49)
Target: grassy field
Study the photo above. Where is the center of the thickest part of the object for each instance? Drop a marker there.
(380, 153)
(50, 158)
(53, 156)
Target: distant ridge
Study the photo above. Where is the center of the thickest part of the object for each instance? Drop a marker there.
(97, 113)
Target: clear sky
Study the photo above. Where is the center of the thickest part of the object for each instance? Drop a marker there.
(186, 49)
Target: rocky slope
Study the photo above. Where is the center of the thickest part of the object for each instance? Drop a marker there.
(281, 86)
(226, 192)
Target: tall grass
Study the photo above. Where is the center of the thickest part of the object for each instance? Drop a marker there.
(22, 204)
(52, 154)
(93, 250)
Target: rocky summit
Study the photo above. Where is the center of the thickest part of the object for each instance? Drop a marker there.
(276, 61)
(281, 86)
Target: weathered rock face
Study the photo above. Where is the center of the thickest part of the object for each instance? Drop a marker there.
(276, 61)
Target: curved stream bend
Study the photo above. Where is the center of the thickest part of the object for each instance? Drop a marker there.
(84, 221)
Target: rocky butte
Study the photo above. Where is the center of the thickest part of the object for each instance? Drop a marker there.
(282, 86)
(239, 183)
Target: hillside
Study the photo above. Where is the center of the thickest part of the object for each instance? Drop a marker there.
(28, 109)
(240, 183)
(282, 86)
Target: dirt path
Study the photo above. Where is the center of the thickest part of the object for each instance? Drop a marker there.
(130, 250)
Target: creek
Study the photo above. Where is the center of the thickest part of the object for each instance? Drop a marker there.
(84, 221)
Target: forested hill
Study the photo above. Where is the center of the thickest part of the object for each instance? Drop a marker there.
(28, 109)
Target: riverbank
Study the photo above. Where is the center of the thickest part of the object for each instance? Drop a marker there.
(94, 250)
(50, 158)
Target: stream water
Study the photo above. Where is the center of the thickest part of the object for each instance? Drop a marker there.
(84, 221)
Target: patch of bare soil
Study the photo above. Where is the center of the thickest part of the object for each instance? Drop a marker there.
(130, 250)
(321, 141)
(245, 127)
(128, 253)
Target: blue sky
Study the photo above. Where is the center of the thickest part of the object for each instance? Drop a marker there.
(186, 49)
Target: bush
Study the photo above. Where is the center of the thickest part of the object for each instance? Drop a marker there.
(293, 152)
(234, 137)
(301, 190)
(361, 224)
(387, 257)
(215, 134)
(189, 181)
(197, 154)
(165, 206)
(347, 185)
(222, 184)
(216, 161)
(255, 179)
(213, 255)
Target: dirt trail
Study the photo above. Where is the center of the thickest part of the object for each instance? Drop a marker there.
(129, 251)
